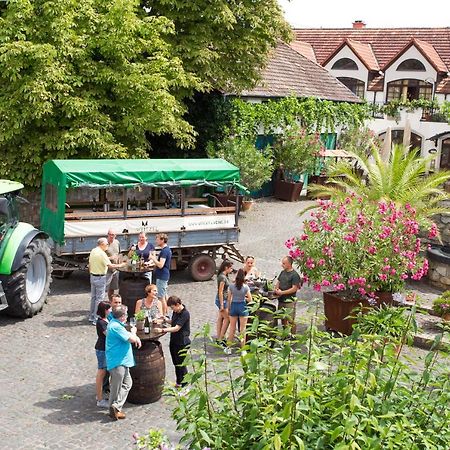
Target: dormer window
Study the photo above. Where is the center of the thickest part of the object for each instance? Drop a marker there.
(344, 64)
(411, 65)
(409, 90)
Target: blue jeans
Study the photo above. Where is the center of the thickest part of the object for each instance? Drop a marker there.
(218, 303)
(98, 287)
(161, 286)
(101, 359)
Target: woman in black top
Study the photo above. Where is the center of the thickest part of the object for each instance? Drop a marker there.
(103, 310)
(179, 336)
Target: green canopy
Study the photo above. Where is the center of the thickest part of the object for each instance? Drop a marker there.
(150, 172)
(60, 175)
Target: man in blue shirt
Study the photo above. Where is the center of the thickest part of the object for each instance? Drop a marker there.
(162, 271)
(119, 359)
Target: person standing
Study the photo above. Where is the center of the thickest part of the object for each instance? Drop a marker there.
(238, 296)
(286, 287)
(99, 263)
(162, 271)
(150, 304)
(179, 330)
(119, 359)
(103, 311)
(223, 283)
(113, 252)
(250, 271)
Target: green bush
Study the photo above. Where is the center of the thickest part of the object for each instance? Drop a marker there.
(318, 392)
(441, 305)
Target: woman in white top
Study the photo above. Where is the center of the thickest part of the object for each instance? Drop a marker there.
(249, 268)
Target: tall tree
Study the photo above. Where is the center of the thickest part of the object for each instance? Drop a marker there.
(223, 42)
(85, 79)
(96, 78)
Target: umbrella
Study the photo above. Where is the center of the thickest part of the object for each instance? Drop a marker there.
(407, 136)
(386, 149)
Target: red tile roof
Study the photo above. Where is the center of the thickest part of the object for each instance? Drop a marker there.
(443, 87)
(377, 84)
(386, 42)
(290, 73)
(362, 50)
(427, 50)
(304, 49)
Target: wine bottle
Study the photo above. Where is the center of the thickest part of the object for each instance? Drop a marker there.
(146, 325)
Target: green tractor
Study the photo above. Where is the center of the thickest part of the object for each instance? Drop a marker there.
(25, 260)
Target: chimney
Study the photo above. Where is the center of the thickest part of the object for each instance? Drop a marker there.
(358, 25)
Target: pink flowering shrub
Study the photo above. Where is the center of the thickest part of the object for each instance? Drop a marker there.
(359, 247)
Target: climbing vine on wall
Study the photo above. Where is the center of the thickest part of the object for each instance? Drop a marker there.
(249, 119)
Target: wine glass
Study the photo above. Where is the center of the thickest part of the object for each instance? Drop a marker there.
(132, 322)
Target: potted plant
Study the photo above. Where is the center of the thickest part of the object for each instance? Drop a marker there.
(441, 306)
(295, 154)
(140, 319)
(255, 165)
(358, 252)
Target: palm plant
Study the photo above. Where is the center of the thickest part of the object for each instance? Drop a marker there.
(401, 178)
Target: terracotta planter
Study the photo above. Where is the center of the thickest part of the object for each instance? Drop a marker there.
(288, 190)
(140, 325)
(337, 309)
(247, 205)
(446, 317)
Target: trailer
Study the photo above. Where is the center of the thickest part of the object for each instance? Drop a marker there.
(82, 199)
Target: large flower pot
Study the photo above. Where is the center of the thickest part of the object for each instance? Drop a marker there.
(288, 190)
(337, 309)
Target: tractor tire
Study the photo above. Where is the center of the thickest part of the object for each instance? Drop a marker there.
(202, 267)
(27, 288)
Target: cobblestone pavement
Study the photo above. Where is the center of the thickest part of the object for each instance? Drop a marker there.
(48, 364)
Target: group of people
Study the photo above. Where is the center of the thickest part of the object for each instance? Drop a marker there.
(104, 262)
(114, 342)
(232, 297)
(114, 350)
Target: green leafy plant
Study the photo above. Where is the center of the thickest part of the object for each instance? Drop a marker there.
(387, 322)
(401, 178)
(296, 152)
(319, 392)
(140, 315)
(255, 166)
(154, 440)
(441, 305)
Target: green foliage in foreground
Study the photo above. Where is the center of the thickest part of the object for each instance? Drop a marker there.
(318, 392)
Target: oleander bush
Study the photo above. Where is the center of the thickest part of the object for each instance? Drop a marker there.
(317, 392)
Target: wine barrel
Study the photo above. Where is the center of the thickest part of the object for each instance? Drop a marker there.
(131, 290)
(148, 374)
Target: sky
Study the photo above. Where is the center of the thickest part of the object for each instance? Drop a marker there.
(376, 14)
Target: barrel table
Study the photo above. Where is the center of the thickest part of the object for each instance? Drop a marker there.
(132, 283)
(149, 373)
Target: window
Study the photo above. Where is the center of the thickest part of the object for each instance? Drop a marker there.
(445, 154)
(397, 138)
(409, 90)
(356, 86)
(51, 197)
(345, 64)
(411, 65)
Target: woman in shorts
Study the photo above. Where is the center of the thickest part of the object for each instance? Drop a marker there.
(238, 296)
(221, 299)
(103, 310)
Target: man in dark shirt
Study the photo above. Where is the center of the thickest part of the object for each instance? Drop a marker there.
(179, 336)
(287, 285)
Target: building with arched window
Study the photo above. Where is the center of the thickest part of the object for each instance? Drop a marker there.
(409, 66)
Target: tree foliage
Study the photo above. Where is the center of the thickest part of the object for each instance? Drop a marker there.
(94, 79)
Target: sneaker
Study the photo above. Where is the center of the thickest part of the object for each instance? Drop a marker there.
(103, 403)
(227, 350)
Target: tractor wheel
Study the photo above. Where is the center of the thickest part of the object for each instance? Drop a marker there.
(28, 287)
(202, 267)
